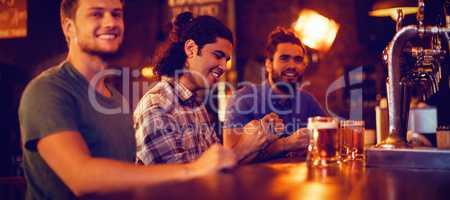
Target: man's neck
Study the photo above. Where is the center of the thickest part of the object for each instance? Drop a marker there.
(187, 82)
(274, 88)
(281, 94)
(89, 66)
(199, 93)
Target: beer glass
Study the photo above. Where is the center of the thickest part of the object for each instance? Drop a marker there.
(352, 139)
(323, 149)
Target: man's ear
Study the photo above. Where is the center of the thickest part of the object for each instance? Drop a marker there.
(269, 65)
(68, 28)
(306, 61)
(190, 48)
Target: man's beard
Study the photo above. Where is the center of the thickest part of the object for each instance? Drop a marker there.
(98, 52)
(91, 49)
(89, 46)
(286, 87)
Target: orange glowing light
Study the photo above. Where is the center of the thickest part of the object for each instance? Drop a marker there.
(392, 12)
(315, 30)
(148, 72)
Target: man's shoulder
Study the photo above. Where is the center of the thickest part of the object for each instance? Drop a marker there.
(245, 94)
(313, 105)
(45, 96)
(49, 81)
(306, 98)
(249, 88)
(161, 95)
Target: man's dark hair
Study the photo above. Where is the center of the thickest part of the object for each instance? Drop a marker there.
(281, 35)
(202, 30)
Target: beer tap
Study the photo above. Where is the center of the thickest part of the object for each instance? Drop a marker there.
(420, 12)
(422, 77)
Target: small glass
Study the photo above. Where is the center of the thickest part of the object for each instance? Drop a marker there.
(443, 137)
(352, 139)
(323, 149)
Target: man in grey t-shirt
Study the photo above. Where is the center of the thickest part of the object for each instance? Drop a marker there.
(58, 101)
(77, 139)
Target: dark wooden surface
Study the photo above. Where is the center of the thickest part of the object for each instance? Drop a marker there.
(290, 179)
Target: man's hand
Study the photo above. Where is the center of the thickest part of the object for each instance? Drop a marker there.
(254, 136)
(257, 134)
(212, 160)
(272, 124)
(297, 140)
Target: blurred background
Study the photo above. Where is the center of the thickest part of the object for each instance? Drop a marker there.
(38, 43)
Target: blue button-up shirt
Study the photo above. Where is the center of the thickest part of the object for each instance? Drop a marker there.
(255, 101)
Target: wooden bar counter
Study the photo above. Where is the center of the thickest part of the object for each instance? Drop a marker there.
(293, 179)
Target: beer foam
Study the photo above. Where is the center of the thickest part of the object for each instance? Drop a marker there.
(323, 125)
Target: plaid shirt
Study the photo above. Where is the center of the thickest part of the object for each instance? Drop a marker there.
(170, 126)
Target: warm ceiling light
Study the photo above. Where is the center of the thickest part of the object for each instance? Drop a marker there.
(315, 30)
(392, 12)
(383, 8)
(148, 72)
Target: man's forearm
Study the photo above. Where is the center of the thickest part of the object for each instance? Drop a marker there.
(99, 176)
(67, 155)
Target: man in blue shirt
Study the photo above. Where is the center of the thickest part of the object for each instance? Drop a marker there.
(280, 94)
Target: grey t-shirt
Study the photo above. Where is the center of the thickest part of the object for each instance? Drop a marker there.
(59, 100)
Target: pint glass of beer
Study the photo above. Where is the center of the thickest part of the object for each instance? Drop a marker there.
(352, 139)
(324, 143)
